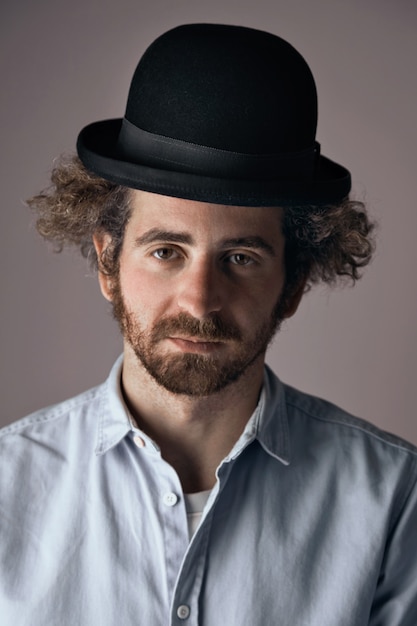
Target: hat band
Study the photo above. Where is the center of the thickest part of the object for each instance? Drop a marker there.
(142, 147)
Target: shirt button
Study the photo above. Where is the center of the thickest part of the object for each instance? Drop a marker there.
(170, 499)
(183, 611)
(139, 441)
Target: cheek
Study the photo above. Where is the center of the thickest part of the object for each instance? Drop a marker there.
(134, 291)
(269, 290)
(140, 291)
(256, 308)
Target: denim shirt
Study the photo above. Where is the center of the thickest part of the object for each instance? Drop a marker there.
(312, 521)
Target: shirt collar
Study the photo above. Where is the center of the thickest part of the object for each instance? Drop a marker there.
(273, 428)
(114, 421)
(268, 423)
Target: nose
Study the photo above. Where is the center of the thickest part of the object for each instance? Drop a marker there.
(200, 289)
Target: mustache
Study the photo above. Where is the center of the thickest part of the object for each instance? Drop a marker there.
(214, 328)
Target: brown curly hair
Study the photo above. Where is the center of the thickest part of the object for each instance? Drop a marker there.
(323, 243)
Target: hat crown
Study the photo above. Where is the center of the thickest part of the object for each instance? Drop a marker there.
(218, 113)
(228, 87)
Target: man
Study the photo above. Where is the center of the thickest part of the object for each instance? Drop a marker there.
(193, 487)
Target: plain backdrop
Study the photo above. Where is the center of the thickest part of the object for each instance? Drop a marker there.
(65, 64)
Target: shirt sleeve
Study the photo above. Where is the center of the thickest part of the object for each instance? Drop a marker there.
(395, 602)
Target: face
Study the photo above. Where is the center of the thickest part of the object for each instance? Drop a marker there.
(198, 294)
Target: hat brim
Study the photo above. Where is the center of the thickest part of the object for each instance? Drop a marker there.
(97, 149)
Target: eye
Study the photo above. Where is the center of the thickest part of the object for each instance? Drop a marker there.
(165, 254)
(239, 258)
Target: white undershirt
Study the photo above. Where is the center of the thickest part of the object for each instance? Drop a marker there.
(194, 505)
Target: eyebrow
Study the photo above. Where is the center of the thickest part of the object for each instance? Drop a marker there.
(254, 241)
(167, 236)
(157, 234)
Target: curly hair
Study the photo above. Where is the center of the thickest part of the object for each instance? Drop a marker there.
(79, 204)
(323, 243)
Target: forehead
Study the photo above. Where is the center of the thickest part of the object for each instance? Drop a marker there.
(201, 219)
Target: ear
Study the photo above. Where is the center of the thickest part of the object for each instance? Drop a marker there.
(294, 299)
(101, 242)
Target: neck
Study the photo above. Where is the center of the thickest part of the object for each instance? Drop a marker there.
(193, 433)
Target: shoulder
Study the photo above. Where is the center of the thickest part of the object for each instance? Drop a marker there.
(46, 453)
(325, 416)
(51, 434)
(331, 449)
(55, 416)
(325, 440)
(66, 436)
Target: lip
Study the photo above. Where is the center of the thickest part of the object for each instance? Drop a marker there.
(195, 345)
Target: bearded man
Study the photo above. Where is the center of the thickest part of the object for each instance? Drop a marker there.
(193, 487)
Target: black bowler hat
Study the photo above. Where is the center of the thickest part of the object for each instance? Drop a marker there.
(222, 114)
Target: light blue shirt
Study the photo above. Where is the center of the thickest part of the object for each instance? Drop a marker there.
(312, 522)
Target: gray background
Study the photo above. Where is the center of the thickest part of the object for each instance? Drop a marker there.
(65, 64)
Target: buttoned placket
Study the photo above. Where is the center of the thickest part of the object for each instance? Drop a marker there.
(186, 599)
(169, 505)
(185, 561)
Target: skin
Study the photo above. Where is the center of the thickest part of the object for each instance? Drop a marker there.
(198, 259)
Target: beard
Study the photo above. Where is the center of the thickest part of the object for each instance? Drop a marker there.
(192, 374)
